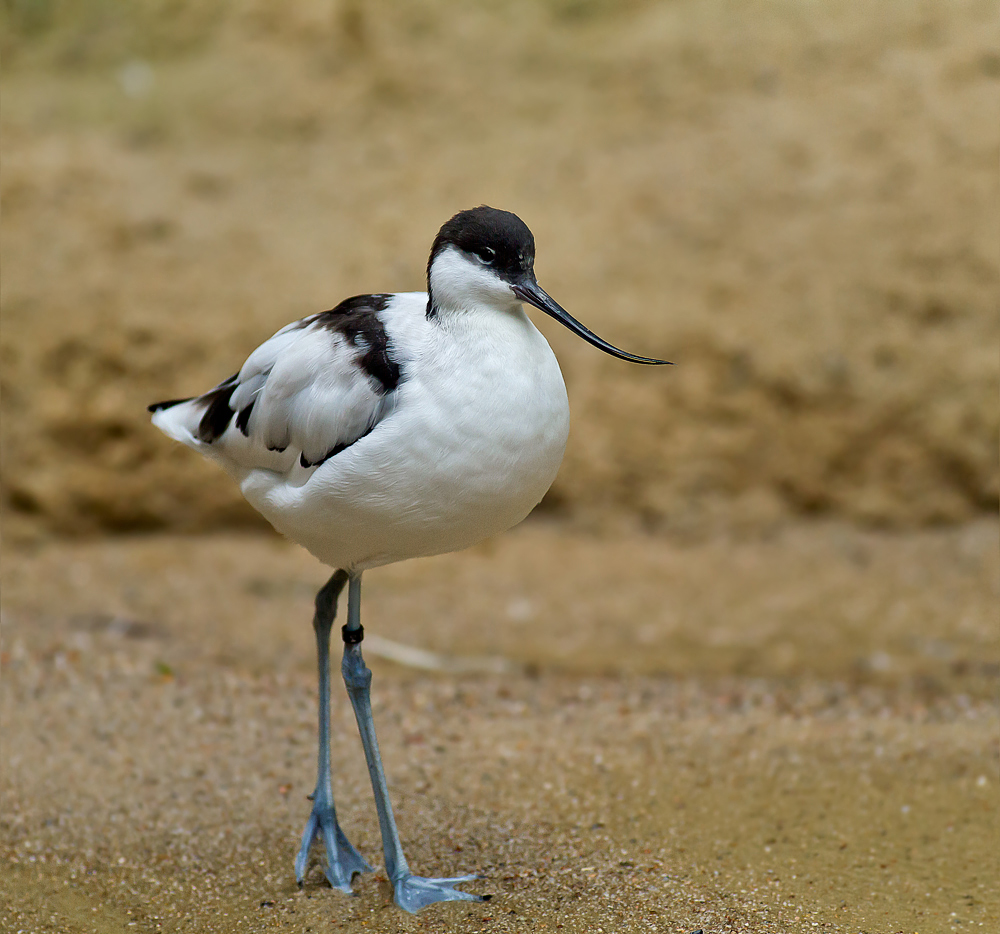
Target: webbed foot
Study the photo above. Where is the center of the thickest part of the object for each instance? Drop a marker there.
(411, 893)
(342, 860)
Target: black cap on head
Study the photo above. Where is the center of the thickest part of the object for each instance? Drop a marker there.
(503, 242)
(500, 239)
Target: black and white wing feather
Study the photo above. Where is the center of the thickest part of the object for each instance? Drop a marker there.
(312, 390)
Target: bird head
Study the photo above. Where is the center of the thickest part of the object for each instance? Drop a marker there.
(485, 256)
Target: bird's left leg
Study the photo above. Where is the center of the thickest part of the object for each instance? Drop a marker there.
(410, 892)
(342, 860)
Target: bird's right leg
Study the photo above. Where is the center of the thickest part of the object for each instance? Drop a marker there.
(409, 892)
(342, 860)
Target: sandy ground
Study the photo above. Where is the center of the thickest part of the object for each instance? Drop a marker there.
(693, 692)
(781, 734)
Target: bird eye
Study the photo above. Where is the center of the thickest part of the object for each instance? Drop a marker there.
(487, 255)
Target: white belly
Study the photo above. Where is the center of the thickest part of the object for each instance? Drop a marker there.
(474, 442)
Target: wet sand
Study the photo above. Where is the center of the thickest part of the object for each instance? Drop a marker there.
(790, 733)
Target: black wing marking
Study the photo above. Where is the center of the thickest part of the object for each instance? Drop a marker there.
(218, 415)
(243, 418)
(299, 389)
(358, 321)
(169, 404)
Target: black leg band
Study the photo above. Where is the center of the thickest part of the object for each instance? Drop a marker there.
(352, 636)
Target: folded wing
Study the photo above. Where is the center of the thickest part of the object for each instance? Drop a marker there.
(309, 392)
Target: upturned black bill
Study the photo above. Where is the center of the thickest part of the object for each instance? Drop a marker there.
(531, 292)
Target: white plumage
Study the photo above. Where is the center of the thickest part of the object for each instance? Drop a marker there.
(393, 427)
(463, 448)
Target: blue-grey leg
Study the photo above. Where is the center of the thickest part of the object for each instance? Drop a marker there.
(342, 860)
(410, 892)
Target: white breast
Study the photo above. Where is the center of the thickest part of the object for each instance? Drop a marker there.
(474, 439)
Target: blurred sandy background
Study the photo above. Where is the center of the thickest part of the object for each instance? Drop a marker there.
(795, 203)
(792, 532)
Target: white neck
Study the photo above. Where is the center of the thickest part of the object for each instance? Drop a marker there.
(459, 282)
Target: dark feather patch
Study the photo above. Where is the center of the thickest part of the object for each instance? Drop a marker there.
(169, 404)
(243, 419)
(337, 448)
(218, 414)
(358, 321)
(332, 453)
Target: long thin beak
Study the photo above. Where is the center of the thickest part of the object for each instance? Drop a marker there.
(531, 292)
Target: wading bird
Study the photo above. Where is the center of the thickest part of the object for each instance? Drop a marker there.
(394, 427)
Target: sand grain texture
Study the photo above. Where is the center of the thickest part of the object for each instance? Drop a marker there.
(817, 762)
